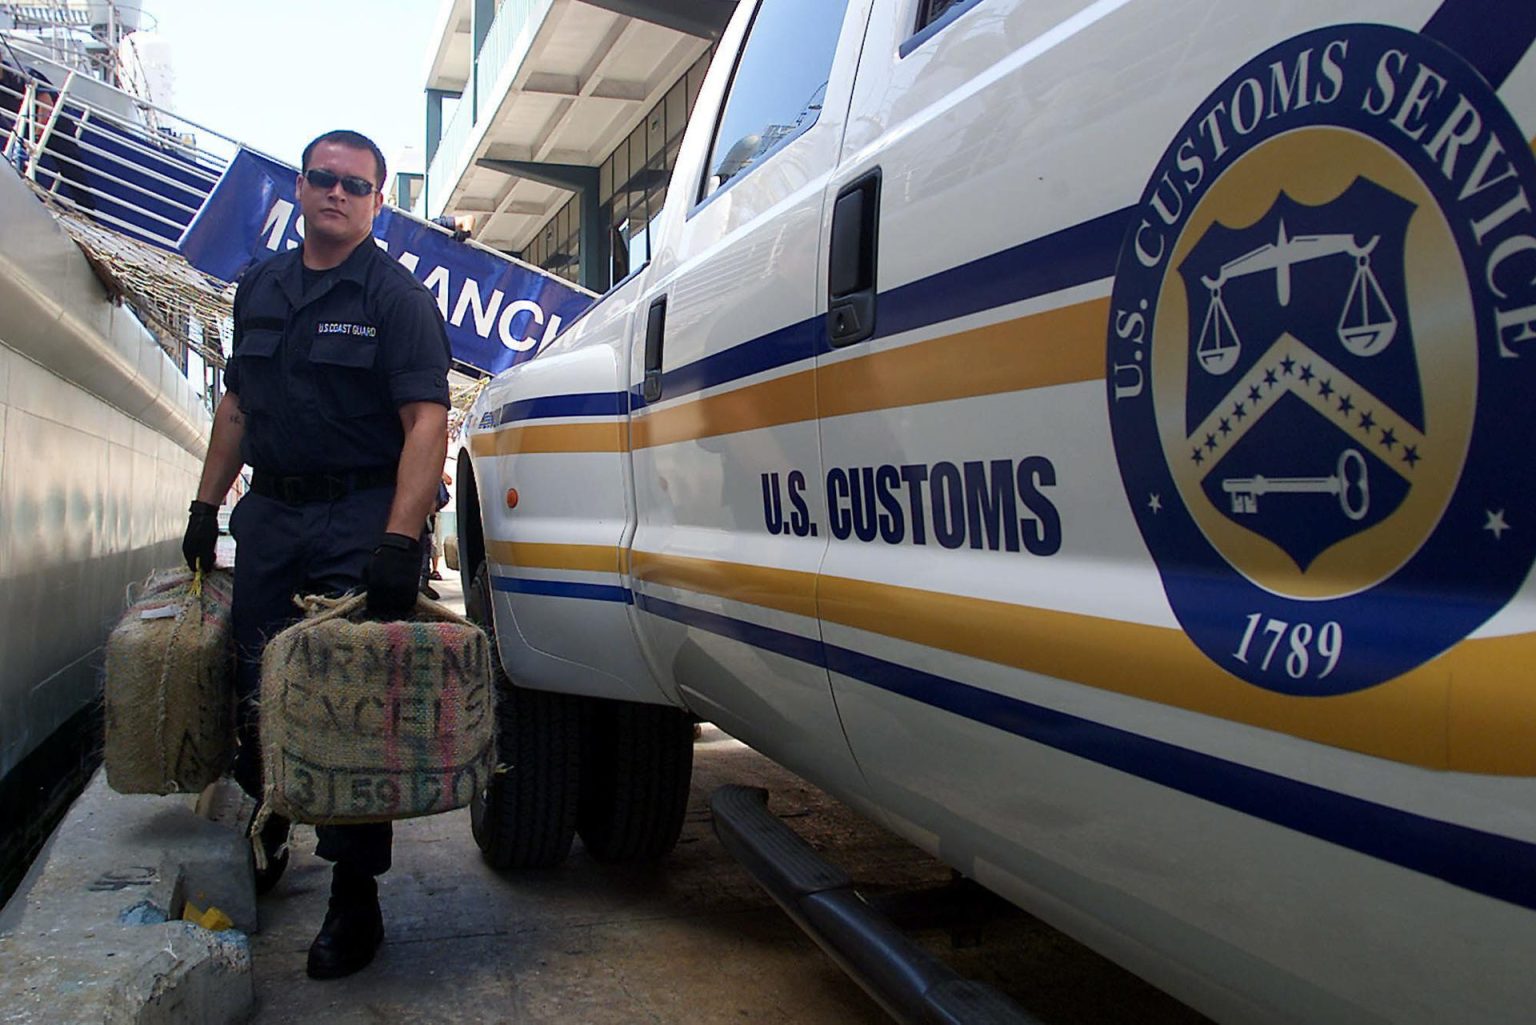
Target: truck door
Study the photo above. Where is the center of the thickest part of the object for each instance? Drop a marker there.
(944, 421)
(731, 519)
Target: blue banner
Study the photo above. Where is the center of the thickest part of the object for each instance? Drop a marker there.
(499, 311)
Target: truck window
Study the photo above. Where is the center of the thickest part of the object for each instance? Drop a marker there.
(777, 89)
(931, 11)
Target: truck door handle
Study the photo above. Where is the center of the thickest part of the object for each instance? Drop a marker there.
(851, 261)
(655, 329)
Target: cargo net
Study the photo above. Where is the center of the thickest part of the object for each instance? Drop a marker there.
(183, 307)
(123, 178)
(461, 396)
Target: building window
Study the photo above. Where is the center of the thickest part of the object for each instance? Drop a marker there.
(633, 180)
(778, 86)
(632, 186)
(557, 246)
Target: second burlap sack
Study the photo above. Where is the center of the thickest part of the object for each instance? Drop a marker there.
(168, 695)
(366, 721)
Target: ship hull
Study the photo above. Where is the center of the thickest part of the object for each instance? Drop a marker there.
(101, 442)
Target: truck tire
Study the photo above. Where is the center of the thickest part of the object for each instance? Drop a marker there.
(526, 815)
(634, 780)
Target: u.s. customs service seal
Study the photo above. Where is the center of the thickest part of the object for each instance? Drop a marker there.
(1322, 353)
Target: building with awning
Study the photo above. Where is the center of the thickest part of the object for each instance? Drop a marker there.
(552, 125)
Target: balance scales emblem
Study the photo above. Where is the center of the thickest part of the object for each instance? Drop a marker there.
(1366, 327)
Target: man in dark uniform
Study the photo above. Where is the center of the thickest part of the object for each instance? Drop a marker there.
(61, 167)
(337, 398)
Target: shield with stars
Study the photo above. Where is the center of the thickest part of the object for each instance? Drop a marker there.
(1309, 385)
(1303, 406)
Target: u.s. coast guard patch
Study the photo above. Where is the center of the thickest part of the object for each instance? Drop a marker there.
(1322, 361)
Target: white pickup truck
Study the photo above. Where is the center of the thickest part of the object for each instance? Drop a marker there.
(1092, 438)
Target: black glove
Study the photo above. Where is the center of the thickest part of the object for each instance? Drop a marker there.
(394, 576)
(202, 535)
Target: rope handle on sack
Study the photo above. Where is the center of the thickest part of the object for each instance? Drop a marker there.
(259, 825)
(319, 608)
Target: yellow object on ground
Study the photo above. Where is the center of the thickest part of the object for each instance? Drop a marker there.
(212, 919)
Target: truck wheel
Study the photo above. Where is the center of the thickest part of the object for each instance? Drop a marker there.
(634, 780)
(526, 815)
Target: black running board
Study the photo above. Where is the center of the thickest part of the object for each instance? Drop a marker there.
(912, 985)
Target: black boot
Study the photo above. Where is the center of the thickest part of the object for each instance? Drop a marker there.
(274, 845)
(353, 929)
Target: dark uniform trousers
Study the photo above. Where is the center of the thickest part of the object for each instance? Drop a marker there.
(287, 549)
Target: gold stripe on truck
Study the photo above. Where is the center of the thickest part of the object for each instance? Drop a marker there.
(1470, 710)
(1060, 346)
(607, 436)
(783, 400)
(785, 590)
(587, 558)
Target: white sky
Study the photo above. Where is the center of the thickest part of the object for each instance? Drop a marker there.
(276, 73)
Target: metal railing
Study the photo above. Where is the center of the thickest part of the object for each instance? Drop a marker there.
(447, 162)
(124, 178)
(507, 43)
(144, 175)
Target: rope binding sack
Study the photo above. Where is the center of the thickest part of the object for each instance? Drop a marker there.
(168, 693)
(367, 721)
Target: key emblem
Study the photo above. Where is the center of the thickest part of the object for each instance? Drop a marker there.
(1350, 482)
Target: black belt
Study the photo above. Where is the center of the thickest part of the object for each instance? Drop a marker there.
(319, 487)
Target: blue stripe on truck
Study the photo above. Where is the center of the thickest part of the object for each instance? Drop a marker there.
(1073, 256)
(561, 589)
(1485, 863)
(579, 404)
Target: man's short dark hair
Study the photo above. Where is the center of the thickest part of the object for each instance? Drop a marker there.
(44, 85)
(357, 140)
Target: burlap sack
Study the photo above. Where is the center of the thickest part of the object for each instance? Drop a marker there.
(169, 693)
(364, 721)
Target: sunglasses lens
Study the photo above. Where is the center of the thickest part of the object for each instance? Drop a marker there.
(326, 180)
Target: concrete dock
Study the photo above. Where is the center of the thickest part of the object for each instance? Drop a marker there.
(692, 939)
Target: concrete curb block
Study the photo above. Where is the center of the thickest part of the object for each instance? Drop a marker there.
(93, 934)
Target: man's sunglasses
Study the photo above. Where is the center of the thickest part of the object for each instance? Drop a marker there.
(350, 184)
